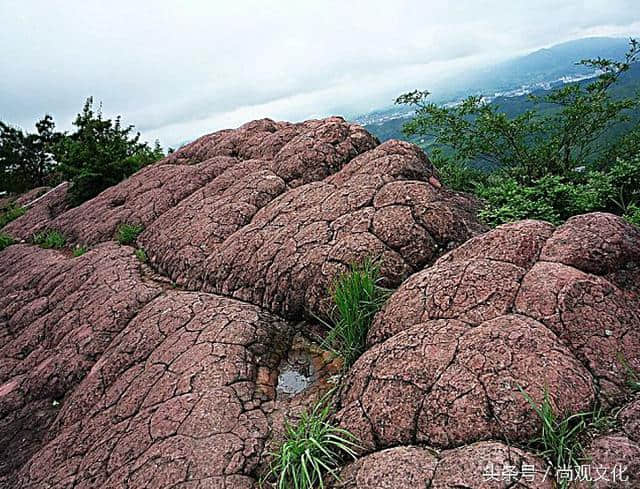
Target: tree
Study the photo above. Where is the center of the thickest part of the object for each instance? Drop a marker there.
(549, 162)
(100, 153)
(564, 136)
(27, 160)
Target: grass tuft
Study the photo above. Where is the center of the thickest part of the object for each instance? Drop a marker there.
(560, 441)
(141, 255)
(5, 240)
(357, 297)
(313, 449)
(79, 250)
(49, 239)
(11, 213)
(127, 233)
(633, 377)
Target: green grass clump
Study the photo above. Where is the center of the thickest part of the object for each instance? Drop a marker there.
(357, 297)
(313, 448)
(11, 213)
(633, 377)
(50, 239)
(79, 250)
(141, 255)
(127, 233)
(560, 440)
(5, 240)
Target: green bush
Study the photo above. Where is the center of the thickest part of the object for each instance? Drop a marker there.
(455, 174)
(5, 240)
(11, 213)
(555, 198)
(312, 449)
(100, 153)
(357, 297)
(633, 214)
(50, 239)
(128, 233)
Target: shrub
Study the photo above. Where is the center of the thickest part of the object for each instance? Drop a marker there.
(633, 214)
(11, 213)
(50, 239)
(506, 200)
(79, 250)
(357, 297)
(141, 255)
(100, 153)
(551, 198)
(313, 448)
(5, 240)
(127, 233)
(455, 174)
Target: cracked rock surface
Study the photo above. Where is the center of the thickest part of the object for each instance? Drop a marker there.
(484, 465)
(523, 307)
(168, 374)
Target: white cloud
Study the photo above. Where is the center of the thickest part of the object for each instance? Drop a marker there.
(180, 69)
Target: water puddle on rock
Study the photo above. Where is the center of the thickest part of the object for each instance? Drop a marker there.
(296, 373)
(304, 366)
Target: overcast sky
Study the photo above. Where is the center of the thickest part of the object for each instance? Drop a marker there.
(179, 69)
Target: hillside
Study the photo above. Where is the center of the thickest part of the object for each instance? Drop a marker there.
(509, 83)
(165, 360)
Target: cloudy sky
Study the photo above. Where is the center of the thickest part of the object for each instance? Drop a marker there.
(179, 69)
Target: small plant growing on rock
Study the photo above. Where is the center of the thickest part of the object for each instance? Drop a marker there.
(127, 233)
(12, 213)
(50, 239)
(79, 250)
(141, 255)
(313, 448)
(633, 377)
(5, 240)
(560, 439)
(357, 297)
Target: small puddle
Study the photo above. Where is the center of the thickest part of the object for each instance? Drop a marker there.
(305, 367)
(296, 372)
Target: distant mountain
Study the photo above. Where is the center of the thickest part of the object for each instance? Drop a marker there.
(547, 64)
(540, 70)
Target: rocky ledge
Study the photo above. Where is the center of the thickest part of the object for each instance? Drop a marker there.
(117, 373)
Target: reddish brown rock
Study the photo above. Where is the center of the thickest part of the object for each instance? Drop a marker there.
(379, 205)
(489, 465)
(59, 316)
(446, 383)
(174, 400)
(596, 243)
(629, 418)
(31, 195)
(40, 212)
(613, 462)
(555, 277)
(484, 465)
(599, 321)
(299, 153)
(394, 468)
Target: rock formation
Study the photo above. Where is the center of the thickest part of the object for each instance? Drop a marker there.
(117, 373)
